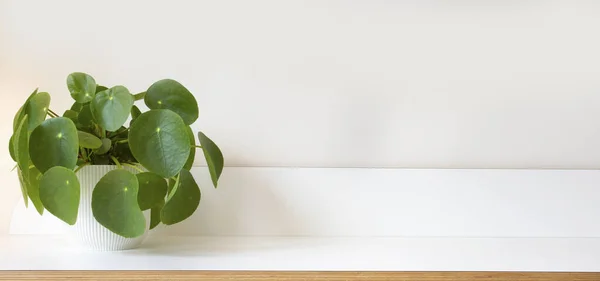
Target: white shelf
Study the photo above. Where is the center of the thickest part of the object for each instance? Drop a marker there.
(21, 252)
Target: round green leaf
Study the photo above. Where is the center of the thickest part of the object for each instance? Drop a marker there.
(190, 161)
(71, 114)
(152, 191)
(106, 144)
(110, 108)
(33, 189)
(88, 140)
(213, 156)
(159, 141)
(37, 109)
(77, 107)
(170, 94)
(54, 143)
(21, 147)
(59, 192)
(11, 149)
(81, 86)
(183, 202)
(100, 88)
(23, 184)
(115, 205)
(135, 112)
(85, 116)
(18, 116)
(155, 214)
(22, 111)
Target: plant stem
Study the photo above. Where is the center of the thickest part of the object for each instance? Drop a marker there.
(116, 162)
(84, 153)
(51, 115)
(123, 141)
(139, 96)
(196, 146)
(84, 164)
(134, 167)
(52, 112)
(112, 136)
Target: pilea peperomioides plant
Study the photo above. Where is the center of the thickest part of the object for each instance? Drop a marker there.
(159, 143)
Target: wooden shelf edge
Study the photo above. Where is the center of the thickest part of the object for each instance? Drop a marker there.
(297, 275)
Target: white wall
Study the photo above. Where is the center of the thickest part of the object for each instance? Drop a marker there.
(447, 84)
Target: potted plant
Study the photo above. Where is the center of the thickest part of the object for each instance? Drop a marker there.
(110, 178)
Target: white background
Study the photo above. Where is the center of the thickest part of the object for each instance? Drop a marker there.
(438, 84)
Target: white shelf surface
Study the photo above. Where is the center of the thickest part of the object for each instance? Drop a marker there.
(25, 252)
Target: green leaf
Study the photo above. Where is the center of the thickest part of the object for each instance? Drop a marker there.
(170, 94)
(81, 86)
(37, 109)
(110, 108)
(54, 143)
(171, 188)
(115, 205)
(159, 141)
(33, 189)
(77, 107)
(60, 193)
(88, 140)
(22, 111)
(23, 184)
(106, 144)
(184, 202)
(190, 161)
(214, 157)
(21, 147)
(18, 117)
(152, 191)
(155, 214)
(100, 88)
(85, 116)
(71, 114)
(11, 149)
(135, 112)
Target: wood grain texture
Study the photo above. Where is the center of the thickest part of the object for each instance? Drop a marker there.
(295, 276)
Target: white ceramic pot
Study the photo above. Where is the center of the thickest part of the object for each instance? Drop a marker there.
(87, 230)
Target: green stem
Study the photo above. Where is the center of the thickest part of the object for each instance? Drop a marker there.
(84, 164)
(196, 146)
(51, 113)
(139, 96)
(123, 141)
(116, 162)
(134, 167)
(84, 153)
(50, 110)
(116, 134)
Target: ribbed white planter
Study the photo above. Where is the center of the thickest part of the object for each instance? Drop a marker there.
(87, 230)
